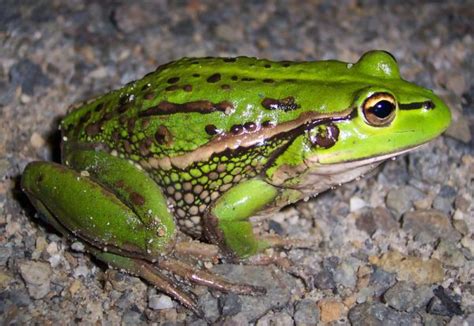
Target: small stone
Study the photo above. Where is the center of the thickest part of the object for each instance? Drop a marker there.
(461, 226)
(132, 317)
(461, 203)
(306, 313)
(28, 75)
(331, 310)
(345, 275)
(78, 246)
(229, 304)
(410, 268)
(37, 277)
(449, 254)
(74, 287)
(356, 203)
(228, 32)
(4, 279)
(324, 280)
(405, 296)
(468, 243)
(376, 219)
(445, 199)
(460, 130)
(274, 319)
(433, 223)
(401, 199)
(444, 304)
(5, 253)
(159, 302)
(81, 270)
(37, 141)
(377, 314)
(381, 280)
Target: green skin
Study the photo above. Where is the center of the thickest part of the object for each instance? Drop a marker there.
(201, 145)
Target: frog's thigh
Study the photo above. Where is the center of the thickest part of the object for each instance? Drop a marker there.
(229, 216)
(100, 212)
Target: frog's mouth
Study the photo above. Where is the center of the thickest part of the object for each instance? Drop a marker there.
(319, 177)
(335, 168)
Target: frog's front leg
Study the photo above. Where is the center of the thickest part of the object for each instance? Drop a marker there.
(226, 223)
(121, 215)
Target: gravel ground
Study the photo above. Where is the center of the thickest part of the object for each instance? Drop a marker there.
(396, 247)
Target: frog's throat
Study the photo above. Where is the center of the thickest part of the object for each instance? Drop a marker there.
(229, 141)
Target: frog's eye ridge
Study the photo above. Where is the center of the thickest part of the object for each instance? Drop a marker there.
(379, 109)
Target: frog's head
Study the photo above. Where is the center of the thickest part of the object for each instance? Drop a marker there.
(379, 116)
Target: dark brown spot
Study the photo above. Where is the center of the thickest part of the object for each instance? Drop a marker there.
(115, 136)
(146, 86)
(131, 124)
(93, 129)
(250, 126)
(267, 123)
(127, 147)
(137, 199)
(163, 136)
(196, 75)
(120, 184)
(214, 78)
(173, 80)
(285, 63)
(172, 88)
(248, 79)
(123, 119)
(234, 78)
(225, 87)
(268, 80)
(211, 130)
(204, 107)
(108, 115)
(268, 65)
(326, 136)
(149, 96)
(237, 129)
(188, 88)
(145, 123)
(144, 146)
(285, 104)
(230, 59)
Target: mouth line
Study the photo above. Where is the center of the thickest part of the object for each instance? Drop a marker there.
(331, 168)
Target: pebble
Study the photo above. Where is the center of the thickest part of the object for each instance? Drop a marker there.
(444, 304)
(37, 141)
(381, 280)
(449, 254)
(324, 280)
(160, 301)
(5, 253)
(132, 317)
(306, 313)
(37, 276)
(410, 268)
(377, 219)
(460, 130)
(429, 226)
(401, 199)
(375, 314)
(405, 296)
(345, 275)
(331, 310)
(275, 319)
(229, 304)
(28, 75)
(78, 246)
(356, 203)
(468, 243)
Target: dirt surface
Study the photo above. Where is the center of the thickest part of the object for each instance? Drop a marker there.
(395, 247)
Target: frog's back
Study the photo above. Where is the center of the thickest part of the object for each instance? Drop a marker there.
(185, 104)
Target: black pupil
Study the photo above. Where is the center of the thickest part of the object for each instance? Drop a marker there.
(382, 109)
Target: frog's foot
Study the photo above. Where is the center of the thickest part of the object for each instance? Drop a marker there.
(153, 273)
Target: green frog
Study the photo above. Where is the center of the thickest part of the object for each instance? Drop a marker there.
(200, 145)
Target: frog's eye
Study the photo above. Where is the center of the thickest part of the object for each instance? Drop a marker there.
(379, 109)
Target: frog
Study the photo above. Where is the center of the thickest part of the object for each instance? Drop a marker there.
(192, 151)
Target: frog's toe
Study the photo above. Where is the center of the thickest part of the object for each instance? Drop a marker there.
(202, 277)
